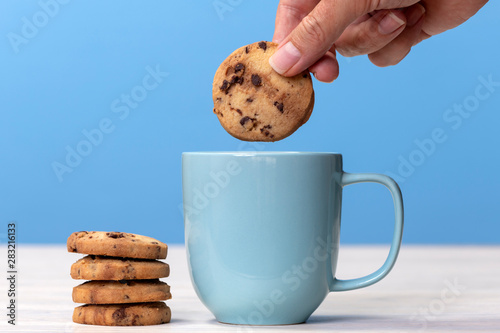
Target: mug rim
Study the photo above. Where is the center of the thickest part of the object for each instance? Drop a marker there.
(260, 153)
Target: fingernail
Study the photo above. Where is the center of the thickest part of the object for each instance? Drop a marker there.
(390, 23)
(284, 59)
(415, 15)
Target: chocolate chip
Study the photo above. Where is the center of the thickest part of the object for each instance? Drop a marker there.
(225, 85)
(246, 49)
(239, 111)
(154, 242)
(263, 45)
(236, 79)
(248, 123)
(239, 67)
(219, 99)
(264, 130)
(244, 120)
(119, 314)
(256, 80)
(305, 75)
(279, 106)
(249, 100)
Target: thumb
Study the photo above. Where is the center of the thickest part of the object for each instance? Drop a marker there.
(318, 31)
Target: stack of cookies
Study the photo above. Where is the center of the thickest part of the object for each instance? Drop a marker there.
(124, 287)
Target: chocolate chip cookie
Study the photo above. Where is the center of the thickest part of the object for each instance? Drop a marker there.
(116, 244)
(255, 103)
(135, 314)
(112, 268)
(124, 291)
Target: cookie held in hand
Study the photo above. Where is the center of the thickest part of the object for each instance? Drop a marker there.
(255, 103)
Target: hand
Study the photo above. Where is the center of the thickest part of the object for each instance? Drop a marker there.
(311, 31)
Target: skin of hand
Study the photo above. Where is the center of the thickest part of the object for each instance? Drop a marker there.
(310, 32)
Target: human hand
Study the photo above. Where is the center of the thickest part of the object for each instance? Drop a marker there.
(311, 31)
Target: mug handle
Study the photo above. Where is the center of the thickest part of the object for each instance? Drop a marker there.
(354, 178)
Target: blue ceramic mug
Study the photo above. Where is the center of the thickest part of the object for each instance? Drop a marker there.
(262, 232)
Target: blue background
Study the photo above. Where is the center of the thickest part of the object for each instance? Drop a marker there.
(65, 77)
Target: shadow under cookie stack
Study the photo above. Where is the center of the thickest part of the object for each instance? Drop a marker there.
(124, 287)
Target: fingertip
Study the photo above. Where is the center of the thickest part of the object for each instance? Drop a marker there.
(386, 59)
(326, 69)
(414, 14)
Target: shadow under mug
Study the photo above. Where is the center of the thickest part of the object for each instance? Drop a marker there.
(262, 232)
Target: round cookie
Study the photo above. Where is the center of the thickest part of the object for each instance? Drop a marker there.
(255, 103)
(137, 314)
(113, 292)
(116, 244)
(110, 268)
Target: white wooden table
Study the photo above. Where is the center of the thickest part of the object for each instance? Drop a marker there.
(432, 288)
